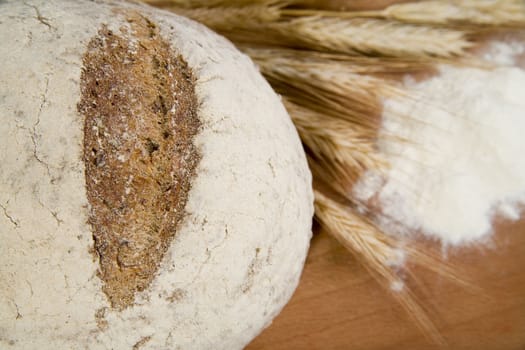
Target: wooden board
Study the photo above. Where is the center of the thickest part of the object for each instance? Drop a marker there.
(339, 306)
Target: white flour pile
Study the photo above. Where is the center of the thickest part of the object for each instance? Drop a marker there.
(456, 153)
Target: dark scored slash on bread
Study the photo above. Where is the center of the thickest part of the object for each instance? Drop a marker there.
(139, 105)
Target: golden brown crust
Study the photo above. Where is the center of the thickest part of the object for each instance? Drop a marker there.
(139, 105)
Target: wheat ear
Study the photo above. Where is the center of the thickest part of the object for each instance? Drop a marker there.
(224, 19)
(328, 90)
(339, 144)
(376, 251)
(372, 36)
(477, 12)
(357, 36)
(435, 12)
(306, 59)
(212, 3)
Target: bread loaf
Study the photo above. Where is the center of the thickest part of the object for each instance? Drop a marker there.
(154, 193)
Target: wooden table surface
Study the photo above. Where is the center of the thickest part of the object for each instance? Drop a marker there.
(339, 306)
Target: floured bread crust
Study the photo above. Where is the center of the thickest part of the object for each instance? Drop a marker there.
(203, 246)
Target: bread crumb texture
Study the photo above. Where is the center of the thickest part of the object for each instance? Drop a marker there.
(126, 222)
(139, 105)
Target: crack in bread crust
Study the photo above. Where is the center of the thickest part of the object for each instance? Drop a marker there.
(139, 105)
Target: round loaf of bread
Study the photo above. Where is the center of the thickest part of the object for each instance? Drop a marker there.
(154, 193)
